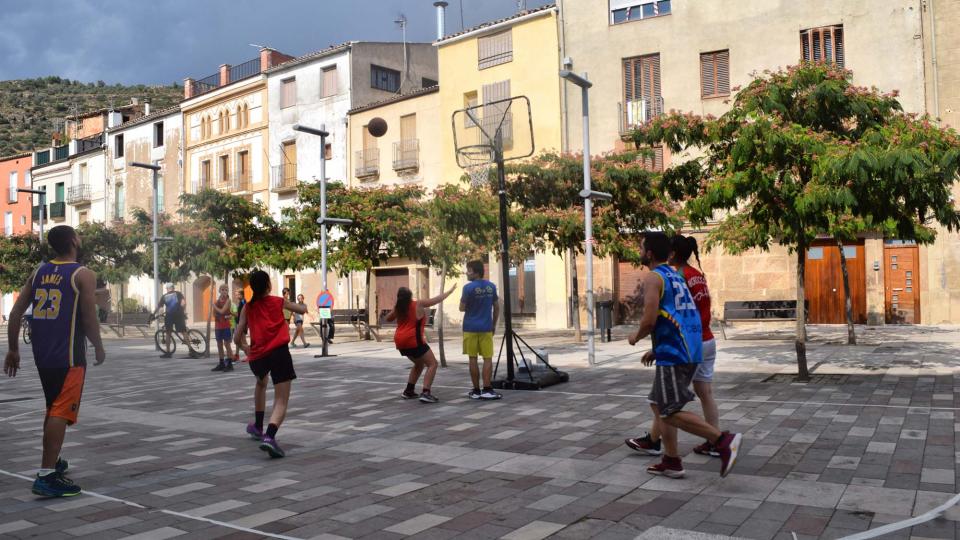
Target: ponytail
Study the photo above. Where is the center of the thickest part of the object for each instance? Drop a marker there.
(696, 251)
(260, 284)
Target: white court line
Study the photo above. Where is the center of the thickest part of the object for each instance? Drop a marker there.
(170, 512)
(644, 396)
(891, 527)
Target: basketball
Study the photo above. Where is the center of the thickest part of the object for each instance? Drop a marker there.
(377, 127)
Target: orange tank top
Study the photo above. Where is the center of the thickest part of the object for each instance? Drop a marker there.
(409, 333)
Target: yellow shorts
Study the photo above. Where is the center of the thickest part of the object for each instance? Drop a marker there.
(478, 344)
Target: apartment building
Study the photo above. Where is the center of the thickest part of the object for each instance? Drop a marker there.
(646, 57)
(14, 206)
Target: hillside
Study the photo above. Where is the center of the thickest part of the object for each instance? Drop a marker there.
(29, 109)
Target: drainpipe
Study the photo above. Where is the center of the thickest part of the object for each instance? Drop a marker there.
(933, 60)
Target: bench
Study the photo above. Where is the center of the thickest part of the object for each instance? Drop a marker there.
(758, 310)
(354, 317)
(119, 322)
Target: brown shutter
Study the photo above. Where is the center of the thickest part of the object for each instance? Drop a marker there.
(330, 82)
(838, 45)
(628, 91)
(707, 79)
(408, 127)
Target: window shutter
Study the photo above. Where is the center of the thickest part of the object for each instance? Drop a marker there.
(628, 69)
(495, 50)
(838, 45)
(288, 94)
(805, 45)
(823, 45)
(707, 83)
(330, 82)
(722, 61)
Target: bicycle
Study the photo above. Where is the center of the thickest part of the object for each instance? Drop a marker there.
(27, 331)
(195, 341)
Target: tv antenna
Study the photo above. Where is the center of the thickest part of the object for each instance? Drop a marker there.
(401, 20)
(521, 5)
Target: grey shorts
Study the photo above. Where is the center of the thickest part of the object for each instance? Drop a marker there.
(671, 388)
(705, 369)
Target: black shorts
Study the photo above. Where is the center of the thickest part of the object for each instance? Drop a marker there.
(415, 352)
(278, 363)
(176, 322)
(671, 388)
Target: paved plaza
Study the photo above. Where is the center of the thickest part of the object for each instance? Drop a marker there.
(161, 448)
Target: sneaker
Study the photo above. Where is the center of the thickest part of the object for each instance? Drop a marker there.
(474, 394)
(490, 395)
(305, 345)
(61, 465)
(228, 366)
(427, 397)
(728, 447)
(706, 449)
(293, 345)
(645, 444)
(54, 484)
(670, 470)
(254, 432)
(270, 446)
(409, 395)
(219, 367)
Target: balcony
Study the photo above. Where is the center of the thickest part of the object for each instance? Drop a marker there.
(58, 210)
(406, 156)
(199, 185)
(283, 178)
(12, 195)
(239, 72)
(367, 163)
(236, 183)
(90, 143)
(79, 194)
(61, 152)
(43, 157)
(36, 213)
(637, 113)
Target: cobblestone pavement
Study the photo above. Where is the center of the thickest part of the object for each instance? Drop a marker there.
(161, 448)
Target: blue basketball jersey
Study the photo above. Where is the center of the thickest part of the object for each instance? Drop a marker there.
(58, 339)
(677, 336)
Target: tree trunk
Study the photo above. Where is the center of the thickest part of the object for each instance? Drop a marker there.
(370, 312)
(574, 295)
(848, 302)
(443, 287)
(801, 338)
(210, 313)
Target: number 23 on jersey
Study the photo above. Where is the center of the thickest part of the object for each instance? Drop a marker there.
(682, 299)
(47, 304)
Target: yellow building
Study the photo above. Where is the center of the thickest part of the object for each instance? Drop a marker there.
(515, 56)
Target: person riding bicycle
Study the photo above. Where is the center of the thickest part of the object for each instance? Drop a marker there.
(174, 317)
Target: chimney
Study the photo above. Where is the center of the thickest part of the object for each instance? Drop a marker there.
(224, 74)
(114, 119)
(134, 101)
(146, 107)
(270, 58)
(188, 88)
(441, 18)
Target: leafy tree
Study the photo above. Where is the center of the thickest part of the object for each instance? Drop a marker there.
(799, 154)
(19, 257)
(115, 253)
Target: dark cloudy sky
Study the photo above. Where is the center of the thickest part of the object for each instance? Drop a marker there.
(161, 41)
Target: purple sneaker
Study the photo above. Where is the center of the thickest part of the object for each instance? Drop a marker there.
(254, 432)
(270, 446)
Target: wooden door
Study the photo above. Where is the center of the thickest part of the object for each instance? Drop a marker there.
(202, 291)
(823, 284)
(901, 280)
(389, 282)
(628, 291)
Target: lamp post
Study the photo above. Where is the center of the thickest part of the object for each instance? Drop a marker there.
(43, 202)
(588, 196)
(155, 239)
(323, 221)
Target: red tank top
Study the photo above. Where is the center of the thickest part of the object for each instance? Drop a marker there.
(697, 284)
(409, 333)
(268, 329)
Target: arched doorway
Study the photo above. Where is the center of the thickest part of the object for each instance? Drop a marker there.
(202, 294)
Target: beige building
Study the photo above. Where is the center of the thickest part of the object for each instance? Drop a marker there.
(645, 57)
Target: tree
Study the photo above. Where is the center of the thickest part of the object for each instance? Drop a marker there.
(792, 159)
(115, 253)
(20, 255)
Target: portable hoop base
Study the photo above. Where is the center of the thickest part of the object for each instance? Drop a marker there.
(527, 376)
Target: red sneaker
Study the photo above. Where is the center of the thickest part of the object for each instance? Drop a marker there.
(728, 447)
(706, 449)
(667, 467)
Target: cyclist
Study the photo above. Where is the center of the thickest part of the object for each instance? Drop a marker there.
(174, 317)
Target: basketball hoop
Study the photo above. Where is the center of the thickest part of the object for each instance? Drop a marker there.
(478, 161)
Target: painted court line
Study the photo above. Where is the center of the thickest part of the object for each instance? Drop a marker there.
(170, 512)
(891, 527)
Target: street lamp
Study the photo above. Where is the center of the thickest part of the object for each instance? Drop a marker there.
(43, 202)
(323, 221)
(588, 195)
(156, 239)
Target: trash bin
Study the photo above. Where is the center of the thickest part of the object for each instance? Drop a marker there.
(605, 319)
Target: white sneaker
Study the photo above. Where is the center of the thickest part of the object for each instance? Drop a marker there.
(490, 394)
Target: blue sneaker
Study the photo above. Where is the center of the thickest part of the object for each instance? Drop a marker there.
(61, 465)
(54, 485)
(270, 446)
(254, 432)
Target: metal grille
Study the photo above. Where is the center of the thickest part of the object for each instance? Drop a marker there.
(245, 70)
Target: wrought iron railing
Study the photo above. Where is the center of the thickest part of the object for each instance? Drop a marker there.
(638, 112)
(36, 212)
(78, 194)
(206, 84)
(58, 210)
(367, 163)
(61, 152)
(43, 157)
(406, 155)
(244, 70)
(283, 177)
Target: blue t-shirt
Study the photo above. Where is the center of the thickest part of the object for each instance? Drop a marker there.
(677, 336)
(479, 296)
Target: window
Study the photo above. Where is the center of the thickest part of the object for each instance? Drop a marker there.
(224, 169)
(59, 192)
(641, 89)
(83, 217)
(427, 83)
(12, 195)
(289, 163)
(243, 164)
(495, 116)
(223, 123)
(288, 93)
(240, 123)
(622, 11)
(495, 50)
(823, 44)
(23, 220)
(329, 82)
(160, 197)
(83, 174)
(385, 79)
(204, 174)
(158, 135)
(328, 151)
(118, 146)
(118, 201)
(469, 100)
(715, 74)
(815, 254)
(8, 224)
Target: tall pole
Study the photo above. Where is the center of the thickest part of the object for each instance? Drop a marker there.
(323, 230)
(43, 210)
(588, 226)
(156, 246)
(505, 258)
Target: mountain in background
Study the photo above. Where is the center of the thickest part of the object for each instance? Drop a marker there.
(32, 110)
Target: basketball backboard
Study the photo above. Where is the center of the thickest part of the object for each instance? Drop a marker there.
(501, 129)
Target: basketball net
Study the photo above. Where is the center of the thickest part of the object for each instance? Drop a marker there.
(478, 163)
